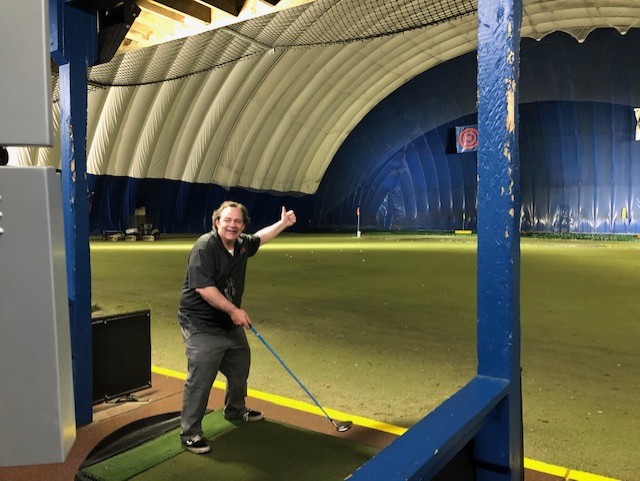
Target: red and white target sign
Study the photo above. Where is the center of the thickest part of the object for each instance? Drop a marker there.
(467, 138)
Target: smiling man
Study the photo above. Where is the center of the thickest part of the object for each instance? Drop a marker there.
(212, 320)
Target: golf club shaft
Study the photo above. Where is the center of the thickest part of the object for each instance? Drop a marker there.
(275, 354)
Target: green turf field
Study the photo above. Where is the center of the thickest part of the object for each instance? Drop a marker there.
(384, 327)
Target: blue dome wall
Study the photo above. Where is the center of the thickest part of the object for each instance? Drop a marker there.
(580, 166)
(182, 207)
(579, 163)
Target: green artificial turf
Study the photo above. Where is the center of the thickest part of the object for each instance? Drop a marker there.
(384, 327)
(263, 451)
(266, 451)
(156, 452)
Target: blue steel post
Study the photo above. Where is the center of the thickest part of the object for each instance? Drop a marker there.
(74, 47)
(498, 445)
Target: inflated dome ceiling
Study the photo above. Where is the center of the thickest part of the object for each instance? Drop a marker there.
(265, 104)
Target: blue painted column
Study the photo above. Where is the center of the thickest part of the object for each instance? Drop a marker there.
(499, 444)
(73, 48)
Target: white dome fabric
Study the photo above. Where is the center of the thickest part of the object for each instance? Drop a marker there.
(273, 122)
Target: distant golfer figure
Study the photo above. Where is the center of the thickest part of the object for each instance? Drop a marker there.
(211, 318)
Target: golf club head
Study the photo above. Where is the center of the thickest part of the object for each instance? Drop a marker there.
(344, 426)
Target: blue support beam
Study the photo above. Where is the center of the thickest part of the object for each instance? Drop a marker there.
(498, 445)
(423, 451)
(487, 412)
(74, 48)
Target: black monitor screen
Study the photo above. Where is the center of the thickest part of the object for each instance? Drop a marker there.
(121, 354)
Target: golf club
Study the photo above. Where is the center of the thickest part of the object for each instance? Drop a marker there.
(341, 427)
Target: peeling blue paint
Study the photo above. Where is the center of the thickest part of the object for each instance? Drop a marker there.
(73, 46)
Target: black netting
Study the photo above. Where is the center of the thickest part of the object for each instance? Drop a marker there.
(323, 22)
(330, 22)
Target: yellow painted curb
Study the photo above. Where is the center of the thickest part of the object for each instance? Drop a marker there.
(582, 476)
(546, 468)
(563, 473)
(169, 372)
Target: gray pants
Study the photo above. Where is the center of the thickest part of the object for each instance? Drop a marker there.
(206, 355)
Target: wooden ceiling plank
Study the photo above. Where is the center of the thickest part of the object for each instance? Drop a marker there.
(234, 7)
(189, 8)
(158, 9)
